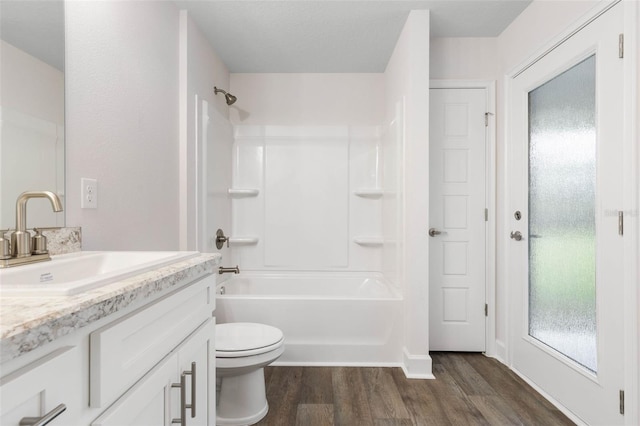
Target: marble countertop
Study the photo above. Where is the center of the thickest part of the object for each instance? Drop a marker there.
(27, 323)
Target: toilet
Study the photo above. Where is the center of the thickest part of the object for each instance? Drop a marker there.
(242, 351)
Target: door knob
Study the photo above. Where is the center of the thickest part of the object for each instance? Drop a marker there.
(516, 235)
(433, 232)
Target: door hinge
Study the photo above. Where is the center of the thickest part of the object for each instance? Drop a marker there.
(620, 222)
(486, 310)
(621, 401)
(621, 46)
(486, 215)
(486, 118)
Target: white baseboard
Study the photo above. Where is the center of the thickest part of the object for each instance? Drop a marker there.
(501, 352)
(416, 366)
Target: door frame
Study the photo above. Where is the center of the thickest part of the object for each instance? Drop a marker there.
(490, 199)
(631, 192)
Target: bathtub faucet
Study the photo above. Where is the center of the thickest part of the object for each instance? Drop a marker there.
(224, 270)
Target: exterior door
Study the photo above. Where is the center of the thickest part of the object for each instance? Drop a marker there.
(565, 182)
(457, 191)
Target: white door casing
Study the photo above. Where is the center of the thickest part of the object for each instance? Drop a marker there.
(590, 397)
(457, 214)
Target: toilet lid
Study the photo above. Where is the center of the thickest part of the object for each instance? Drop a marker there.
(245, 336)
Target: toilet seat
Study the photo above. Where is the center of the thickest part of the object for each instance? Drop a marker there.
(235, 340)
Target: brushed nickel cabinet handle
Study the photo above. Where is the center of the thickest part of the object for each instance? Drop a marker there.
(192, 373)
(44, 420)
(182, 420)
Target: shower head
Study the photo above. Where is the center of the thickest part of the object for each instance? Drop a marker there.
(227, 96)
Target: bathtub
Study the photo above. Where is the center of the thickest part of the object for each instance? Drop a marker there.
(327, 318)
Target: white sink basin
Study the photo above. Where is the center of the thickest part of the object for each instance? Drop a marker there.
(73, 273)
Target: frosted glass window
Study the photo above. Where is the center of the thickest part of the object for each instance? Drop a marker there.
(562, 237)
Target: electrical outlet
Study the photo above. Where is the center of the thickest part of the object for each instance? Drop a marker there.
(89, 193)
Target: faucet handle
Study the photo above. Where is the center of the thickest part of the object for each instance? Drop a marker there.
(5, 246)
(221, 239)
(39, 242)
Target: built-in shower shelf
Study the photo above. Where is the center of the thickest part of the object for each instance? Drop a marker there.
(243, 241)
(369, 192)
(243, 192)
(369, 241)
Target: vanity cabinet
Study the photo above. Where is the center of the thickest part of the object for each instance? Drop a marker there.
(138, 362)
(170, 392)
(39, 389)
(197, 355)
(139, 366)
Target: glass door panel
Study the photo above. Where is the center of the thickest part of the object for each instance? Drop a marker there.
(562, 231)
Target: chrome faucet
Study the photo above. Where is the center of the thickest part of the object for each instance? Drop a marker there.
(21, 251)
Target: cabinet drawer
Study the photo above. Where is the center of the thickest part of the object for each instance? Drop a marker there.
(40, 387)
(124, 350)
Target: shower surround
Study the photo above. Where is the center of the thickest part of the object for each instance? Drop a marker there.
(307, 198)
(307, 232)
(321, 164)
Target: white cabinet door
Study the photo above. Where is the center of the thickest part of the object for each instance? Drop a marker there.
(124, 350)
(156, 399)
(41, 387)
(147, 402)
(193, 357)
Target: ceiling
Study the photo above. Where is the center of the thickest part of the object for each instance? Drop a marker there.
(265, 36)
(333, 35)
(37, 27)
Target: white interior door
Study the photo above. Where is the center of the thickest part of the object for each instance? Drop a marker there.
(457, 141)
(565, 179)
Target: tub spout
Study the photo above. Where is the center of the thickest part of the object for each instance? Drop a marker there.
(223, 270)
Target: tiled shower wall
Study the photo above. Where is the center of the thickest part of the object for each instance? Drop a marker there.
(307, 198)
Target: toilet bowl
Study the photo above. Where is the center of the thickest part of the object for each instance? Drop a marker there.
(242, 352)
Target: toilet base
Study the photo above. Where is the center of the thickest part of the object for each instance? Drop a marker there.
(242, 399)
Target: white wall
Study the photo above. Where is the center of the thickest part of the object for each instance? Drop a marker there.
(407, 83)
(536, 25)
(122, 127)
(464, 58)
(200, 70)
(308, 99)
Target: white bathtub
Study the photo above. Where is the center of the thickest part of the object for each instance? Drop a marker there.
(326, 318)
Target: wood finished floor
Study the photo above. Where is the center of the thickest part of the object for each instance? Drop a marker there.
(470, 389)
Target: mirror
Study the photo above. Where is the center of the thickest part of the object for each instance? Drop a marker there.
(31, 108)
